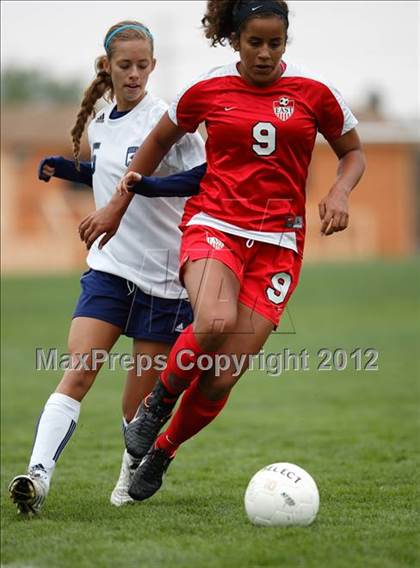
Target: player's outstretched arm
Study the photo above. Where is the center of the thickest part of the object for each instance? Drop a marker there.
(106, 220)
(184, 184)
(334, 209)
(57, 166)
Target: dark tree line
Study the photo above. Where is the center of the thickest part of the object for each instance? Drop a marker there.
(20, 85)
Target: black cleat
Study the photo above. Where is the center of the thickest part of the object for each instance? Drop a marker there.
(148, 477)
(141, 433)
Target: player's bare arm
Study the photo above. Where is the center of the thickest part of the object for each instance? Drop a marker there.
(105, 221)
(333, 209)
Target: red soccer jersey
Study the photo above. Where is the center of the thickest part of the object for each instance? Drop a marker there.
(260, 143)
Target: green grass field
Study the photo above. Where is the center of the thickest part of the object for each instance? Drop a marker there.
(356, 432)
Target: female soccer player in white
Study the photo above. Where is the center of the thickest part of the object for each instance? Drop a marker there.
(131, 287)
(243, 234)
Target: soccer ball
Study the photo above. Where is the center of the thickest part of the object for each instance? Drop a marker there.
(281, 495)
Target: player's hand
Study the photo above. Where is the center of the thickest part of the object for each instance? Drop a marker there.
(127, 182)
(334, 211)
(46, 169)
(104, 221)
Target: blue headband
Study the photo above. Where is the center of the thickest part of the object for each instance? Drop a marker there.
(137, 27)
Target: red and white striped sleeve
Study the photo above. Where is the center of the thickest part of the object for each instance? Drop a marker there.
(333, 114)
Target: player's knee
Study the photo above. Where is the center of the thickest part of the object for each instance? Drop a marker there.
(85, 358)
(216, 322)
(76, 383)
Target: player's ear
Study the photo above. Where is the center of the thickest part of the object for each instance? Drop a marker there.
(107, 65)
(153, 64)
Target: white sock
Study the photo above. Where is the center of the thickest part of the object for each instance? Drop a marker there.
(55, 427)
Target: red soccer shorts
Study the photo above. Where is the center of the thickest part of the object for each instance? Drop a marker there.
(268, 274)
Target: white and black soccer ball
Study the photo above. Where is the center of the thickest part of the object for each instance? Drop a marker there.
(281, 495)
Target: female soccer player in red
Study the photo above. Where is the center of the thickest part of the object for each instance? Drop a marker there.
(243, 234)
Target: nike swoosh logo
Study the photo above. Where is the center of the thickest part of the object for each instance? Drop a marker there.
(256, 8)
(229, 108)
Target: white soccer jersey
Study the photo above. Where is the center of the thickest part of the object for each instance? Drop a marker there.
(145, 248)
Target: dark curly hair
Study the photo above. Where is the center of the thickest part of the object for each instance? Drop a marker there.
(218, 22)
